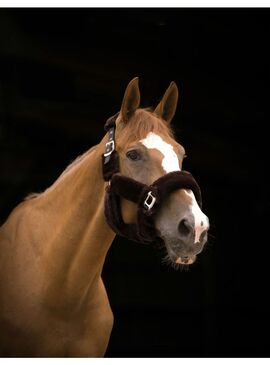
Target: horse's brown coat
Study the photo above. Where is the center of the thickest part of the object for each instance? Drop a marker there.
(53, 301)
(53, 246)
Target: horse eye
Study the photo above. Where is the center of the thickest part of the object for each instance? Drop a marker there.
(133, 155)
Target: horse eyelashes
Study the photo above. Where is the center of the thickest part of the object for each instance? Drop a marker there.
(133, 155)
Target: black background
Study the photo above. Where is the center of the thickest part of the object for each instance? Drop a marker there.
(63, 73)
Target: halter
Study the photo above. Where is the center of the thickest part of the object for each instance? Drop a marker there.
(148, 198)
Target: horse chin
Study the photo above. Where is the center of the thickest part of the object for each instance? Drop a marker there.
(186, 260)
(176, 258)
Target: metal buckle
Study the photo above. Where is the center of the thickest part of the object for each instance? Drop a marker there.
(109, 148)
(149, 201)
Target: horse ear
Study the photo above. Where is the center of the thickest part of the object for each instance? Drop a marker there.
(131, 100)
(167, 106)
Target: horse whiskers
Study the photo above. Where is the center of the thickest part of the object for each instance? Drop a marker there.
(168, 262)
(211, 235)
(208, 245)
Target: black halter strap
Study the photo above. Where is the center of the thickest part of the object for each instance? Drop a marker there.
(148, 198)
(110, 159)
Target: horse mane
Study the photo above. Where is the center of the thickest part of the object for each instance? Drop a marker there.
(143, 122)
(64, 173)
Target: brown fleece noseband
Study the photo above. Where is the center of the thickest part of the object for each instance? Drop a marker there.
(148, 198)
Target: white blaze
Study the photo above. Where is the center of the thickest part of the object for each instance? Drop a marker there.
(170, 163)
(170, 160)
(201, 220)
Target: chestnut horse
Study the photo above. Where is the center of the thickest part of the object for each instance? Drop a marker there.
(53, 245)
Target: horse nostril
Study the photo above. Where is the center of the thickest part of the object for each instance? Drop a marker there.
(203, 236)
(185, 227)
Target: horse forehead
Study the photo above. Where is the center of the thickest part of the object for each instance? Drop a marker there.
(170, 160)
(153, 140)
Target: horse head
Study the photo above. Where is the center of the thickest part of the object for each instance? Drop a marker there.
(147, 151)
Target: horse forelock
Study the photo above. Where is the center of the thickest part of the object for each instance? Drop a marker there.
(140, 125)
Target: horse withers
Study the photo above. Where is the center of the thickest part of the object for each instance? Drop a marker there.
(53, 245)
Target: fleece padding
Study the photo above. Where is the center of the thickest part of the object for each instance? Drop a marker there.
(144, 230)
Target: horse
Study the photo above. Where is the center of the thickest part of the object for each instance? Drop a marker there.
(53, 302)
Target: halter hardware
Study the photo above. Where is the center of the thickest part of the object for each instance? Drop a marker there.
(148, 198)
(149, 201)
(110, 147)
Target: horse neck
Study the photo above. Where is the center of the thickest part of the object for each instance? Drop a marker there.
(76, 234)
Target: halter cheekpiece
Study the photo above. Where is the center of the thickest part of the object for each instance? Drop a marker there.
(148, 198)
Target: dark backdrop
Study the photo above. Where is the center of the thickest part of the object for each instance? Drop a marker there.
(63, 73)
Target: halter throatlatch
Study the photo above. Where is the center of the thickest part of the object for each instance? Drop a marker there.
(148, 198)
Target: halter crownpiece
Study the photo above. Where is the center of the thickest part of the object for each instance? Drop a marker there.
(148, 198)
